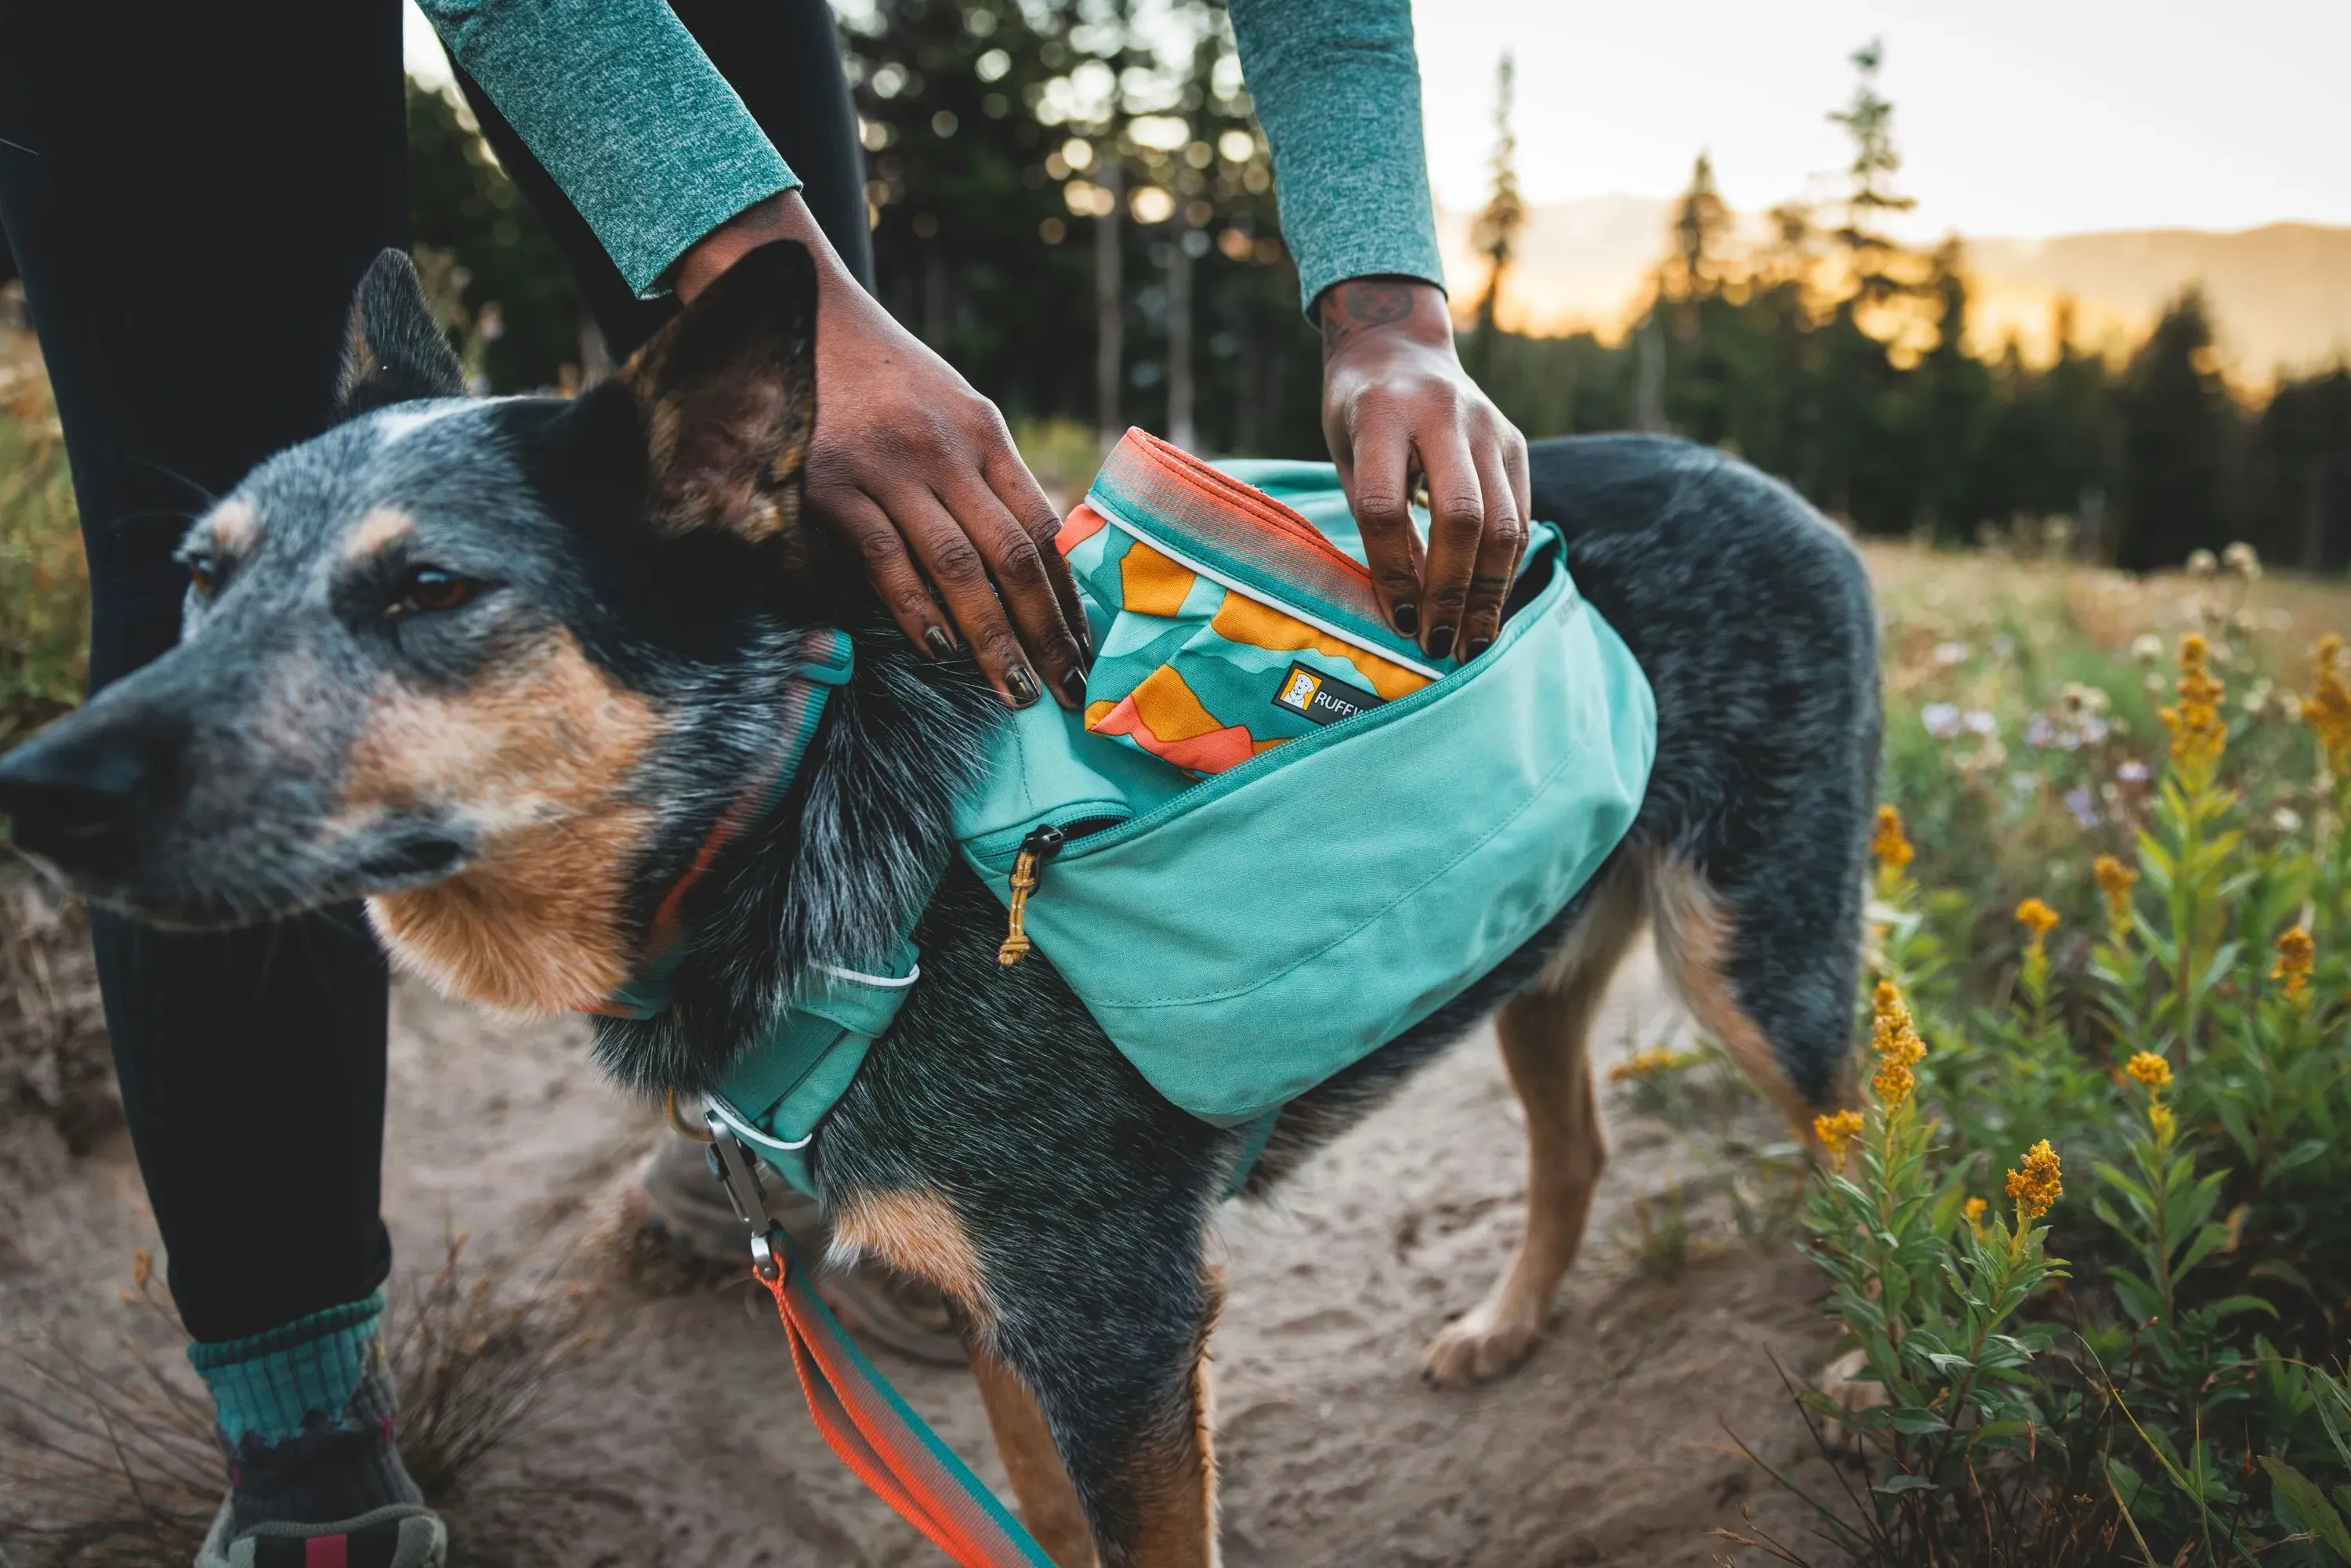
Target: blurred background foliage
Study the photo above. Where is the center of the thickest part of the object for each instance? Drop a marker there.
(1071, 201)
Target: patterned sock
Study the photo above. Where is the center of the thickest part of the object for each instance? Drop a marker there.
(306, 1418)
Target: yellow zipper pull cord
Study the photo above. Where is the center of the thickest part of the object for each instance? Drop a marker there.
(1024, 883)
(1041, 844)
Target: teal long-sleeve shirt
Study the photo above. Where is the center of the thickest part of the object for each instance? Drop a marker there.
(654, 147)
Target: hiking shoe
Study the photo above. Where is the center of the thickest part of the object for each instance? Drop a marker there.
(403, 1535)
(677, 1198)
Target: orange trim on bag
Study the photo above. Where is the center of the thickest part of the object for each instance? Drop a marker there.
(1224, 490)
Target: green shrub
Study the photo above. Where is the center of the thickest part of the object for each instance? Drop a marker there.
(43, 584)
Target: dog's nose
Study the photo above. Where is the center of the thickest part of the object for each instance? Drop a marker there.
(71, 797)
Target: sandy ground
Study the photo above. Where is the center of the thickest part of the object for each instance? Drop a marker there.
(681, 1443)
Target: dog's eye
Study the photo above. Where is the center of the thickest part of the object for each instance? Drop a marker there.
(429, 588)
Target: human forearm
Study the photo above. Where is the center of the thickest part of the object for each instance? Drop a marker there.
(619, 104)
(1337, 88)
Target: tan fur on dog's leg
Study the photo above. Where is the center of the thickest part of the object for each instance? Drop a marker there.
(1174, 1480)
(1546, 1033)
(1049, 1504)
(1694, 940)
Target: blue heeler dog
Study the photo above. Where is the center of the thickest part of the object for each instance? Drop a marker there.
(497, 666)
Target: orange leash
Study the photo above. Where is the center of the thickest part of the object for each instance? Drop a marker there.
(861, 1417)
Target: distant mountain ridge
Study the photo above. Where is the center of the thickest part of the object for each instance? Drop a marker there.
(2281, 294)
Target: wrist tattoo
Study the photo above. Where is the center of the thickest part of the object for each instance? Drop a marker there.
(1351, 306)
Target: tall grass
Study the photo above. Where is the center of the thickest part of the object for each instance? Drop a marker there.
(44, 581)
(111, 1464)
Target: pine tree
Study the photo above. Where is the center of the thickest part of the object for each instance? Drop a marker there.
(1871, 199)
(2179, 434)
(1496, 230)
(1697, 268)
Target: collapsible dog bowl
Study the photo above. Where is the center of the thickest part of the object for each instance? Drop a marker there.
(1279, 836)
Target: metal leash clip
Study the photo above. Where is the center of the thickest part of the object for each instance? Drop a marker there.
(738, 1172)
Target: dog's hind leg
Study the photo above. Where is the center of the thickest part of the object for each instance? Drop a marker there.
(1048, 1503)
(1777, 994)
(1545, 1032)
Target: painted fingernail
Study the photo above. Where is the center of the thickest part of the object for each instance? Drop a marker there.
(1407, 619)
(1440, 642)
(941, 645)
(1074, 684)
(1024, 687)
(1479, 646)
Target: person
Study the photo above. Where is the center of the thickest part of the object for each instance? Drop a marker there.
(192, 194)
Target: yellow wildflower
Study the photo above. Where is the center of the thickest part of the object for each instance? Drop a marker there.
(1836, 1133)
(2329, 711)
(1649, 1062)
(2116, 879)
(2199, 735)
(2150, 1070)
(1974, 1210)
(2037, 1188)
(1895, 1040)
(1891, 845)
(2038, 918)
(2159, 1117)
(2296, 954)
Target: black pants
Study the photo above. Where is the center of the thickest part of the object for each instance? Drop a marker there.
(191, 194)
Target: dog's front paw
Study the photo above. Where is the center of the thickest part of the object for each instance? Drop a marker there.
(1481, 1345)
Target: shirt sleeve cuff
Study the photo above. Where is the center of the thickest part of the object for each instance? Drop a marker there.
(1401, 256)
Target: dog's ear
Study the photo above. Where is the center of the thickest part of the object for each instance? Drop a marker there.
(393, 350)
(726, 399)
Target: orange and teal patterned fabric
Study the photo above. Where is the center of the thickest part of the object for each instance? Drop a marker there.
(1233, 624)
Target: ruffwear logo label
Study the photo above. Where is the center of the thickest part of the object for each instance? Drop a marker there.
(1320, 697)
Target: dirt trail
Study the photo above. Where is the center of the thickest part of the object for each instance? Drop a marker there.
(682, 1444)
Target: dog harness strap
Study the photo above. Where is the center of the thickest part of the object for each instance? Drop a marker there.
(877, 1435)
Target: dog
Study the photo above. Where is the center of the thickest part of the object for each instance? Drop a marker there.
(497, 666)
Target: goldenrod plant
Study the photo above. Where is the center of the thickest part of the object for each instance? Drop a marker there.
(2156, 1086)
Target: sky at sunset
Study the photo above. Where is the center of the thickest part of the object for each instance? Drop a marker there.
(2016, 117)
(2025, 118)
(2017, 121)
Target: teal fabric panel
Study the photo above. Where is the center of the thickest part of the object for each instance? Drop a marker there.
(627, 115)
(1277, 921)
(1337, 87)
(1046, 769)
(783, 1088)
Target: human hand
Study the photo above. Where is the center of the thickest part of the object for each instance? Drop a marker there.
(910, 465)
(1396, 403)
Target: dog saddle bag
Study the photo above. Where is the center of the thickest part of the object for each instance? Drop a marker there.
(1279, 836)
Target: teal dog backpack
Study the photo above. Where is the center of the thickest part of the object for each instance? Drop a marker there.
(1279, 835)
(1279, 838)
